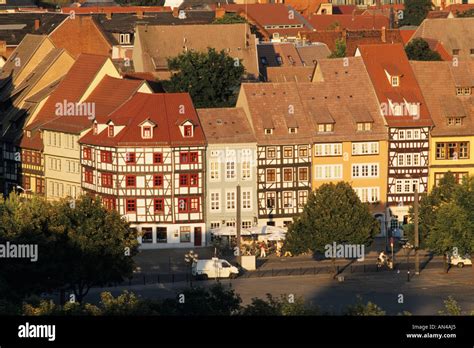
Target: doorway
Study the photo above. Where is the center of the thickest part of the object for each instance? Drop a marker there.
(197, 236)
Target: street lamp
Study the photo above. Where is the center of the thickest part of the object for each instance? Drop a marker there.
(416, 232)
(408, 248)
(190, 258)
(18, 187)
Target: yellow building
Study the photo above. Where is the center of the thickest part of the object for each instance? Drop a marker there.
(447, 89)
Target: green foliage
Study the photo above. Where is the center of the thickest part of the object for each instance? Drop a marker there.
(333, 213)
(468, 13)
(281, 306)
(415, 11)
(212, 79)
(451, 307)
(418, 49)
(48, 307)
(361, 309)
(230, 18)
(340, 51)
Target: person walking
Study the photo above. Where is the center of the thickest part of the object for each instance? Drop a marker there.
(263, 252)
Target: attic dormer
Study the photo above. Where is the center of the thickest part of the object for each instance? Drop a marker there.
(147, 127)
(110, 129)
(95, 128)
(187, 129)
(393, 75)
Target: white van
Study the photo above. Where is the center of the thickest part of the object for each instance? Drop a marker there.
(214, 268)
(460, 261)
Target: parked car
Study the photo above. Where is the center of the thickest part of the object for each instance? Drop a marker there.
(459, 261)
(214, 268)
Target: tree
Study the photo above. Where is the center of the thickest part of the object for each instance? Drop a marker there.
(361, 309)
(230, 18)
(418, 49)
(212, 79)
(416, 11)
(98, 246)
(283, 306)
(333, 213)
(340, 51)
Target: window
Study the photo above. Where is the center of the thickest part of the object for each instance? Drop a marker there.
(367, 194)
(147, 235)
(159, 205)
(459, 176)
(193, 180)
(158, 180)
(124, 39)
(215, 201)
(161, 235)
(108, 203)
(39, 185)
(292, 130)
(215, 225)
(246, 200)
(365, 170)
(395, 81)
(287, 152)
(302, 198)
(184, 157)
(287, 174)
(452, 151)
(245, 168)
(456, 52)
(325, 127)
(454, 121)
(401, 134)
(364, 126)
(194, 204)
(130, 158)
(303, 174)
(87, 153)
(146, 132)
(287, 199)
(131, 205)
(26, 182)
(416, 159)
(88, 176)
(303, 151)
(193, 157)
(329, 171)
(230, 200)
(268, 131)
(271, 152)
(106, 156)
(214, 171)
(183, 180)
(246, 224)
(111, 130)
(270, 175)
(408, 159)
(157, 158)
(188, 131)
(271, 199)
(230, 170)
(369, 148)
(130, 181)
(185, 234)
(183, 205)
(106, 179)
(321, 150)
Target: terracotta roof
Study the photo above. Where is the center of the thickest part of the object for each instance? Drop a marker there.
(34, 142)
(290, 74)
(326, 22)
(437, 46)
(81, 35)
(406, 35)
(379, 58)
(455, 8)
(453, 33)
(437, 14)
(116, 9)
(438, 83)
(266, 14)
(310, 54)
(277, 54)
(158, 43)
(306, 7)
(163, 110)
(226, 125)
(72, 87)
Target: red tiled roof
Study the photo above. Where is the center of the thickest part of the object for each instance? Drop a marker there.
(115, 9)
(325, 22)
(162, 109)
(437, 14)
(406, 35)
(458, 8)
(72, 87)
(265, 14)
(437, 46)
(379, 58)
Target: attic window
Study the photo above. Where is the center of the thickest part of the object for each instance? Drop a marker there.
(188, 131)
(463, 91)
(325, 127)
(111, 130)
(364, 126)
(124, 39)
(28, 134)
(146, 132)
(268, 131)
(94, 129)
(454, 121)
(456, 52)
(395, 81)
(292, 130)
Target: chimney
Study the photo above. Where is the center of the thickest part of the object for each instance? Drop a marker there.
(384, 34)
(140, 14)
(175, 12)
(37, 24)
(108, 15)
(220, 12)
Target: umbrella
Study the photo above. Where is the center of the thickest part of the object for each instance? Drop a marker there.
(275, 236)
(267, 230)
(229, 231)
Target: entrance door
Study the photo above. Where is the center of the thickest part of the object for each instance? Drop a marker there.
(197, 236)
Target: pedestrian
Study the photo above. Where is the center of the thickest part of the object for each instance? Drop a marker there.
(263, 252)
(278, 248)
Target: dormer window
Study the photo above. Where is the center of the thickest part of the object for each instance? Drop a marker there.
(188, 131)
(146, 132)
(268, 131)
(124, 39)
(454, 121)
(364, 126)
(395, 80)
(28, 134)
(110, 130)
(95, 128)
(147, 129)
(325, 127)
(292, 130)
(463, 91)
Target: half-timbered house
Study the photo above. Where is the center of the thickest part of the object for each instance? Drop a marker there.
(147, 161)
(281, 126)
(408, 120)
